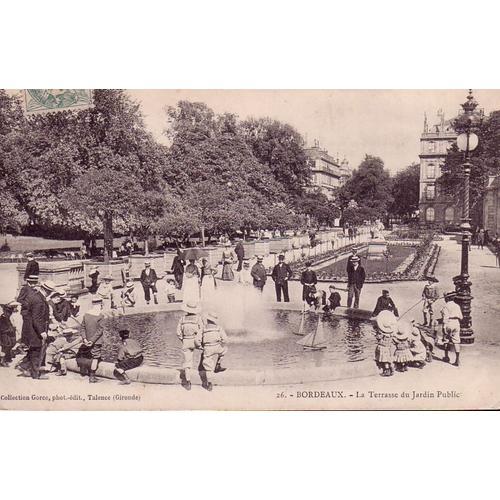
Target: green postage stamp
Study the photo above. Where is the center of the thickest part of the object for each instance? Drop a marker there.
(50, 100)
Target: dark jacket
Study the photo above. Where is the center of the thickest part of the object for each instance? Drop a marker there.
(148, 280)
(239, 250)
(356, 276)
(23, 293)
(7, 332)
(178, 265)
(259, 274)
(32, 267)
(36, 315)
(281, 273)
(308, 277)
(62, 310)
(334, 300)
(385, 304)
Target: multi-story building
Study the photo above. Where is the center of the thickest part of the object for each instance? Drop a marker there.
(435, 208)
(327, 172)
(491, 206)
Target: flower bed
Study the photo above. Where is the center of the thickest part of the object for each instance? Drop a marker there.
(412, 268)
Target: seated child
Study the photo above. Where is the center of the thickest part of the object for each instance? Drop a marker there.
(333, 300)
(128, 295)
(417, 348)
(61, 346)
(75, 307)
(129, 357)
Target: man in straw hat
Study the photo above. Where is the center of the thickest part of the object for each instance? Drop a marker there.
(148, 282)
(62, 346)
(92, 332)
(430, 294)
(212, 341)
(451, 314)
(106, 292)
(259, 274)
(30, 286)
(36, 315)
(355, 280)
(189, 329)
(7, 332)
(32, 267)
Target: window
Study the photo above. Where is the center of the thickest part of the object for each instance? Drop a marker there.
(432, 147)
(430, 192)
(431, 171)
(429, 214)
(449, 214)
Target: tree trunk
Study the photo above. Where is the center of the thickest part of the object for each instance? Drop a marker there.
(146, 246)
(202, 236)
(108, 236)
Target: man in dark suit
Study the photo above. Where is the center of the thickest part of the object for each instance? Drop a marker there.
(280, 275)
(259, 274)
(356, 279)
(36, 315)
(32, 267)
(308, 279)
(239, 250)
(148, 281)
(26, 289)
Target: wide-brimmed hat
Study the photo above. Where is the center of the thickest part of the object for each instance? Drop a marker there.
(404, 329)
(11, 305)
(49, 286)
(431, 277)
(191, 307)
(386, 321)
(212, 316)
(60, 291)
(130, 284)
(108, 277)
(32, 278)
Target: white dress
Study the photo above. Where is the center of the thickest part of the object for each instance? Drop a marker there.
(190, 288)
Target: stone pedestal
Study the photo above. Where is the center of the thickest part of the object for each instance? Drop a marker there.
(377, 249)
(64, 273)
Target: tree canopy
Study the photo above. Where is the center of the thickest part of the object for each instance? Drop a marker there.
(405, 191)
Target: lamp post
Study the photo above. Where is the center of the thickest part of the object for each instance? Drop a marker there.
(467, 141)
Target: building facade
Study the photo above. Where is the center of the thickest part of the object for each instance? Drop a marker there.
(327, 172)
(436, 209)
(491, 206)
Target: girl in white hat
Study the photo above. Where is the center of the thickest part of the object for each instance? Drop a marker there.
(384, 352)
(402, 355)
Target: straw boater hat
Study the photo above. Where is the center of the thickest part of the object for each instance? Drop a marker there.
(386, 321)
(355, 258)
(191, 307)
(211, 316)
(32, 278)
(69, 331)
(29, 254)
(147, 263)
(404, 330)
(49, 286)
(130, 284)
(260, 258)
(108, 277)
(450, 295)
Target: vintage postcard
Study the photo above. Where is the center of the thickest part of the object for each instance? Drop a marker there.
(249, 249)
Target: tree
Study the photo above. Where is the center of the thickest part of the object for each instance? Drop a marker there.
(317, 207)
(485, 160)
(405, 191)
(107, 194)
(370, 186)
(280, 147)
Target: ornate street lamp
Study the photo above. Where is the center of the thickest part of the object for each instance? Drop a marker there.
(467, 141)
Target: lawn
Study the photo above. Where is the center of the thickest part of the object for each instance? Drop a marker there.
(397, 255)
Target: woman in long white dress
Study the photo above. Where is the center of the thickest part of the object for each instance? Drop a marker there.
(208, 283)
(191, 283)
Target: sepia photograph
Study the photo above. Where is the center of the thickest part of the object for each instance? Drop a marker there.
(249, 249)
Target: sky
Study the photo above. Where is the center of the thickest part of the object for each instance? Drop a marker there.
(352, 123)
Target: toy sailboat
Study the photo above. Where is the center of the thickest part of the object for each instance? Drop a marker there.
(316, 340)
(302, 319)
